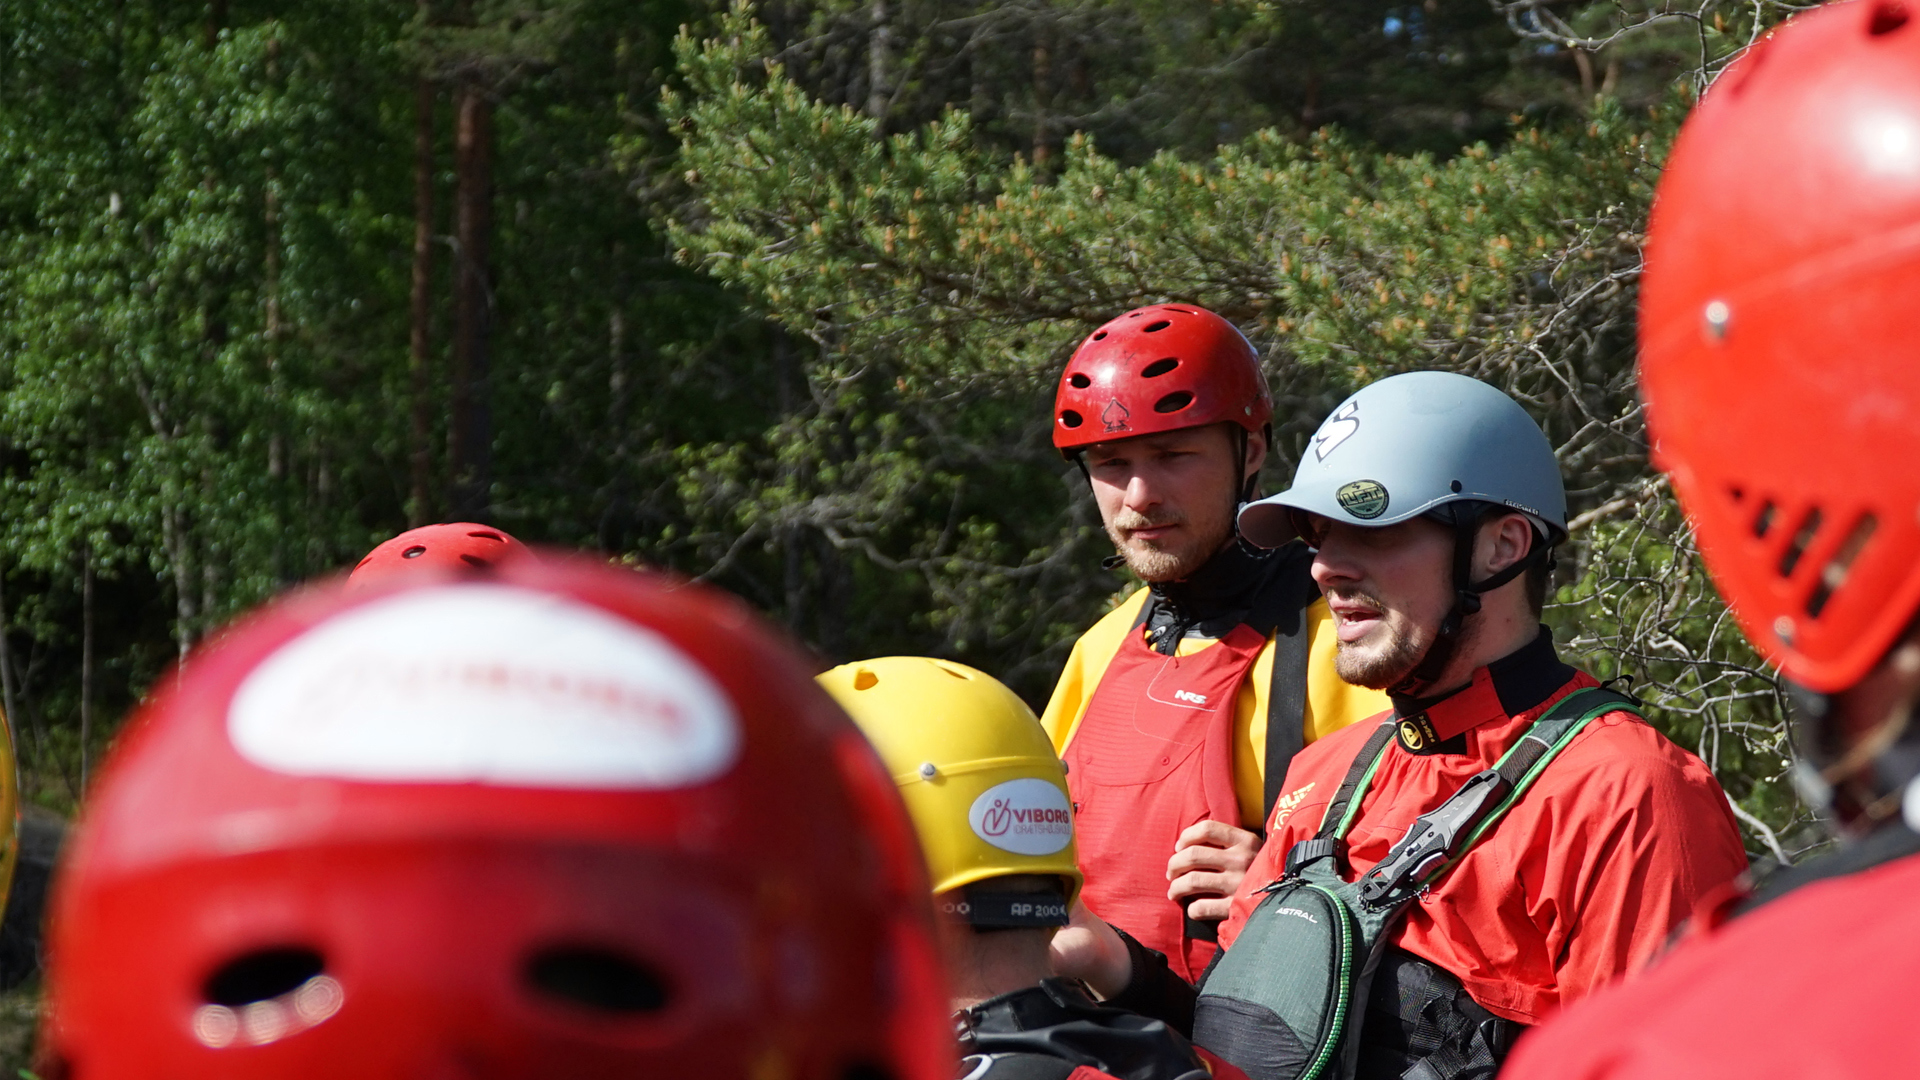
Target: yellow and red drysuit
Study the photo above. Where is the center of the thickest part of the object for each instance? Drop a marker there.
(1161, 715)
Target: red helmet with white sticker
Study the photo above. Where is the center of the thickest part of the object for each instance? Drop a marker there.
(1159, 369)
(456, 545)
(1777, 350)
(555, 820)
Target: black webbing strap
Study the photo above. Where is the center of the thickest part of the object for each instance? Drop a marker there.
(1286, 603)
(1363, 763)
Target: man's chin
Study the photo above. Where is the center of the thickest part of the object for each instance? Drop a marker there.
(1376, 667)
(1157, 566)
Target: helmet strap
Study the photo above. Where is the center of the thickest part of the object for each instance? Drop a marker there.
(1249, 481)
(986, 908)
(1466, 598)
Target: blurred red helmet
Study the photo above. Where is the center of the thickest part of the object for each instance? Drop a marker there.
(456, 545)
(1157, 369)
(559, 821)
(1779, 358)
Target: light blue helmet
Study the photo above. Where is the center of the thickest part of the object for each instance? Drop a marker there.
(1410, 445)
(1426, 443)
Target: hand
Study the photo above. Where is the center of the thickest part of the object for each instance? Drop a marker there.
(1089, 950)
(1209, 861)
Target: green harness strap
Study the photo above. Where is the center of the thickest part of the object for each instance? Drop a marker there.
(1279, 1002)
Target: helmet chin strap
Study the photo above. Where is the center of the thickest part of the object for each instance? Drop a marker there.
(1466, 603)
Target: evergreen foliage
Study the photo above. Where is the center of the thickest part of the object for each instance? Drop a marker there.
(941, 284)
(780, 304)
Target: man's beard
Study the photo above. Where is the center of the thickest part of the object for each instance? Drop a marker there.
(1383, 666)
(1155, 564)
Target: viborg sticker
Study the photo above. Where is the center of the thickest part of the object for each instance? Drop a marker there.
(1363, 498)
(485, 684)
(1337, 429)
(1027, 817)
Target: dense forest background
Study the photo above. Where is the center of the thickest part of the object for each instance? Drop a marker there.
(775, 296)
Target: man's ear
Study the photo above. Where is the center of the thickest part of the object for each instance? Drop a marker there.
(1256, 452)
(1504, 541)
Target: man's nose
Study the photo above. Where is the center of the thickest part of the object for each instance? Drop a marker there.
(1331, 566)
(1141, 495)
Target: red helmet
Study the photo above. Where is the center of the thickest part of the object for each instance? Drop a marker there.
(457, 545)
(1779, 358)
(559, 821)
(1155, 369)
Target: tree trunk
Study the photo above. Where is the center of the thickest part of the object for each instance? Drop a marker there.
(7, 692)
(1585, 64)
(86, 661)
(277, 432)
(216, 21)
(1042, 96)
(174, 530)
(879, 64)
(470, 444)
(420, 504)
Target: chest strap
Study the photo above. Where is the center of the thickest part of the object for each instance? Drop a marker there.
(1441, 836)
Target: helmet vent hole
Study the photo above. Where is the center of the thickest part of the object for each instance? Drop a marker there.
(1763, 521)
(262, 976)
(1155, 326)
(597, 979)
(1099, 335)
(1159, 368)
(1173, 402)
(866, 1071)
(1802, 538)
(1886, 19)
(493, 536)
(1834, 574)
(475, 560)
(1079, 381)
(413, 552)
(865, 680)
(1071, 419)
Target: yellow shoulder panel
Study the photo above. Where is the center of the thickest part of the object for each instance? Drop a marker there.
(1085, 665)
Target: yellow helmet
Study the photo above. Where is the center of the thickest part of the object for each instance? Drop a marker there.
(986, 791)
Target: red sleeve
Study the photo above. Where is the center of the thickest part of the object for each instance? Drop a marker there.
(1638, 836)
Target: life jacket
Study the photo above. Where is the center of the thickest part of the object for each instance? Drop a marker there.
(1153, 754)
(1310, 989)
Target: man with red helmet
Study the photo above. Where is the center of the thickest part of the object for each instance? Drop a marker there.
(550, 819)
(1781, 373)
(1226, 655)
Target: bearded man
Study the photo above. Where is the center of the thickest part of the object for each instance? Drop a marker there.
(1509, 838)
(1178, 712)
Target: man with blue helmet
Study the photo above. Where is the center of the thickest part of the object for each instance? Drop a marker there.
(1509, 836)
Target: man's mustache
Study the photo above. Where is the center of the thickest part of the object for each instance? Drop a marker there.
(1128, 520)
(1358, 598)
